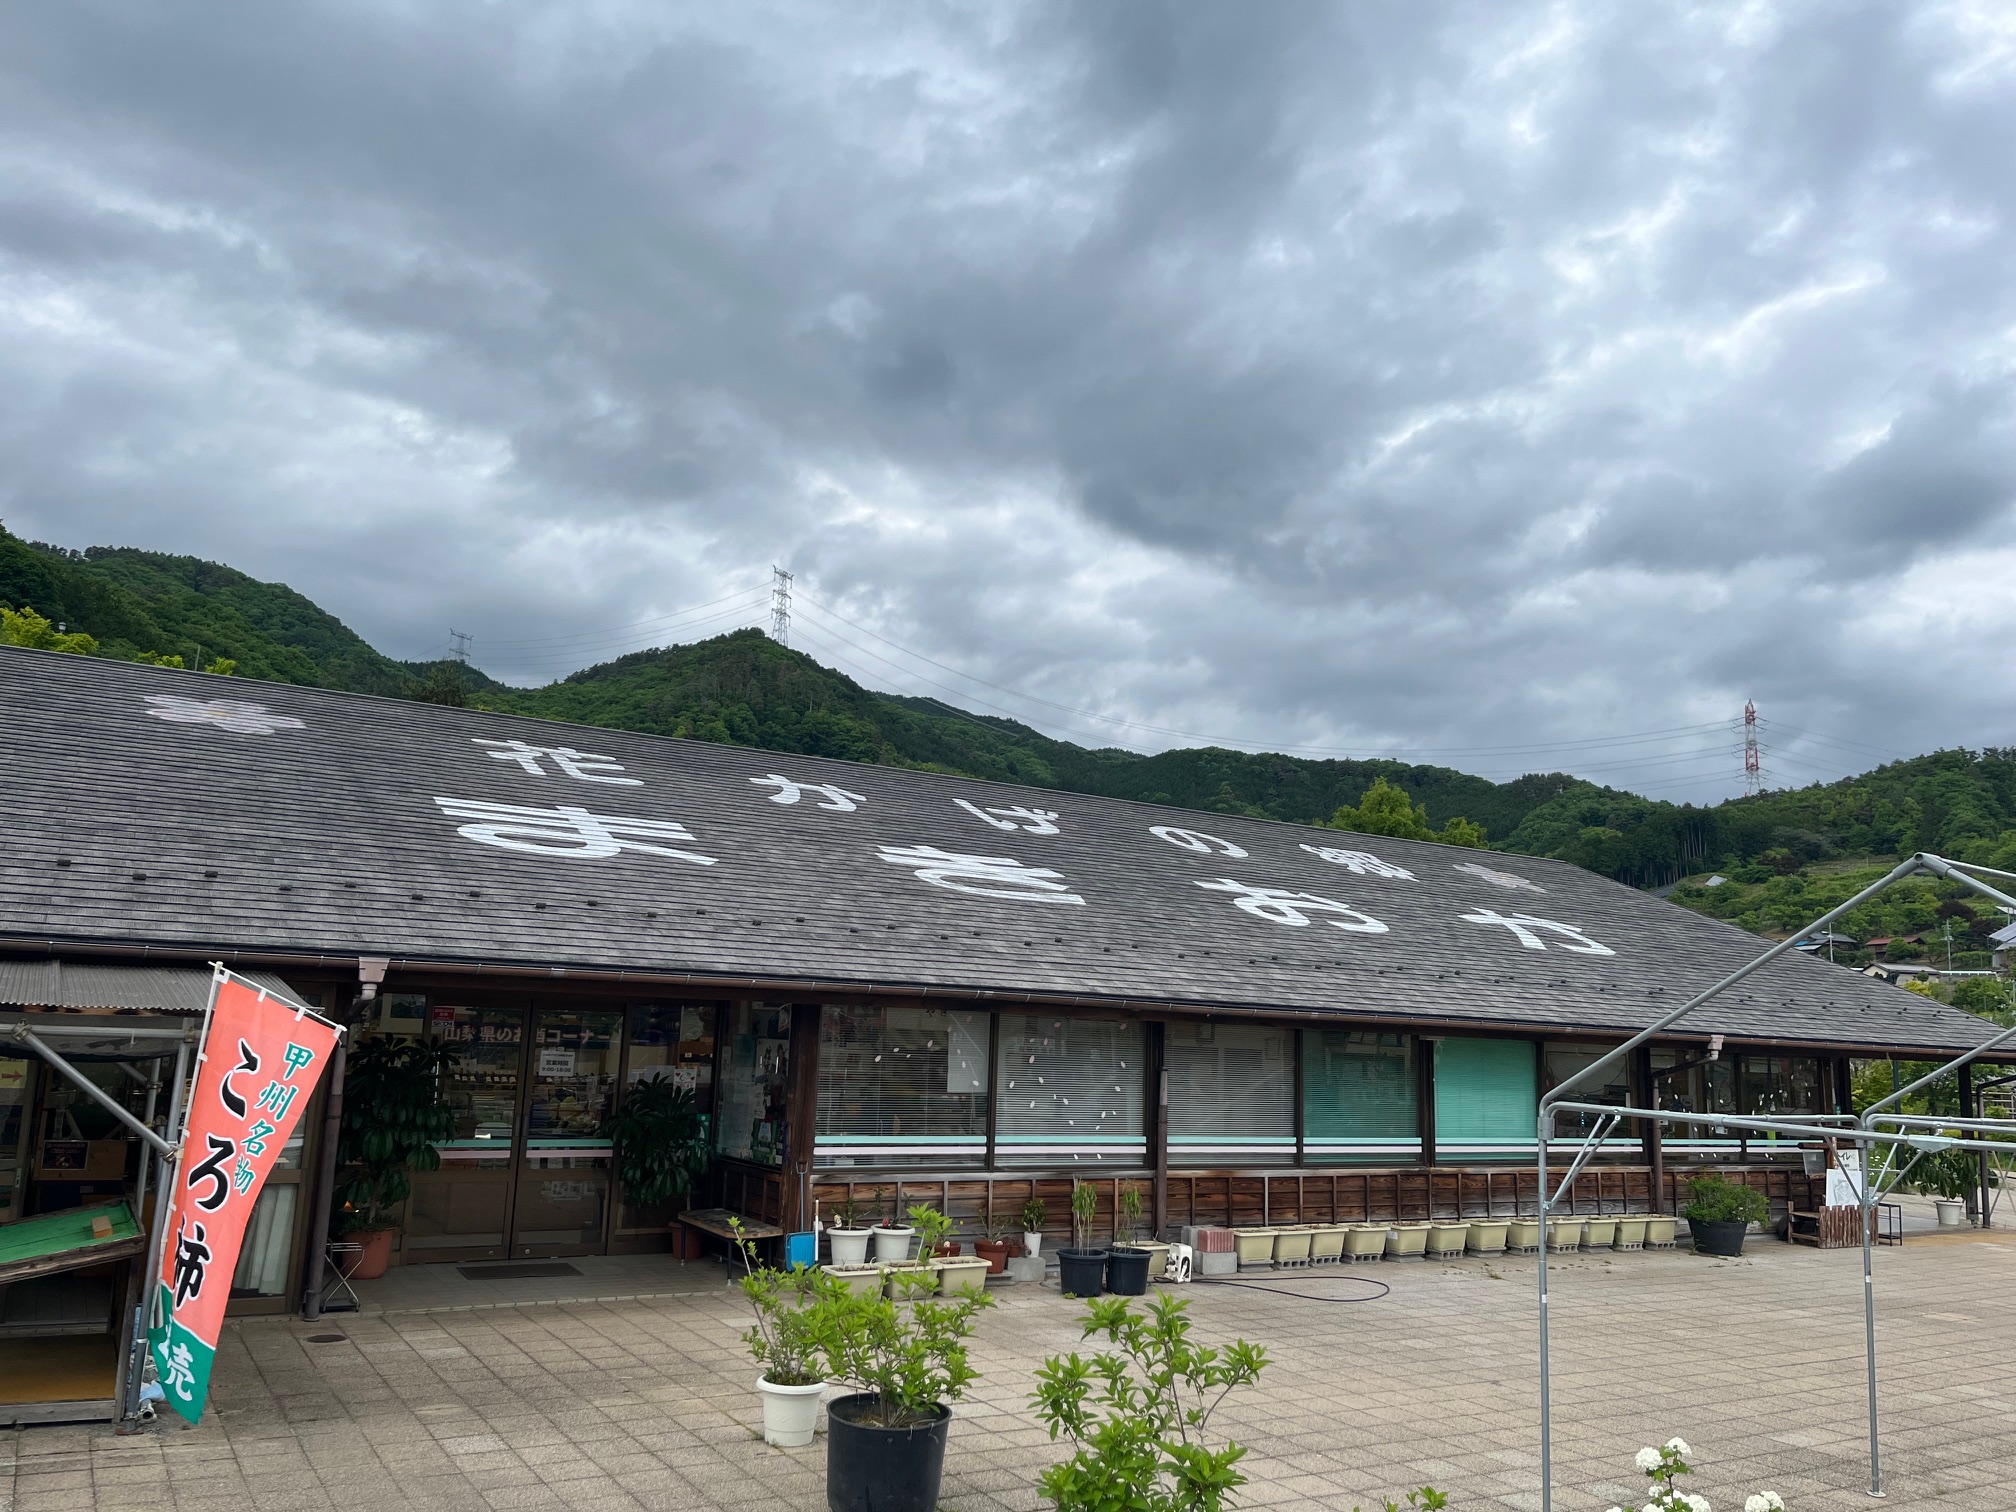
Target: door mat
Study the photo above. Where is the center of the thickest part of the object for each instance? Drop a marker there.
(526, 1270)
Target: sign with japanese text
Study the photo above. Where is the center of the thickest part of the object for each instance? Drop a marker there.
(261, 1059)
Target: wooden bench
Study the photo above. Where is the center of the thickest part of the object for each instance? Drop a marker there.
(714, 1223)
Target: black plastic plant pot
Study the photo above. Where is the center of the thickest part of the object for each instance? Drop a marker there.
(1724, 1238)
(1081, 1273)
(870, 1468)
(1127, 1272)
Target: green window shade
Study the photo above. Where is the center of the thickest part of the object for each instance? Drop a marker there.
(1485, 1100)
(1358, 1095)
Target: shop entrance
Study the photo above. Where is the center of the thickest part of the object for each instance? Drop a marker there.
(526, 1175)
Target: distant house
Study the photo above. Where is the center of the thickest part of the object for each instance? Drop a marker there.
(2002, 943)
(1827, 940)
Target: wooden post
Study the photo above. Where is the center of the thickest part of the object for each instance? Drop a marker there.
(1424, 1081)
(1158, 1125)
(801, 1117)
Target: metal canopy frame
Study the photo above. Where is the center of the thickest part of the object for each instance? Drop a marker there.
(1862, 1132)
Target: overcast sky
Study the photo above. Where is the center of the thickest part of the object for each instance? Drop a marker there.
(1427, 379)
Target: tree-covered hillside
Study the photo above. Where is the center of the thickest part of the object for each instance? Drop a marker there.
(1782, 851)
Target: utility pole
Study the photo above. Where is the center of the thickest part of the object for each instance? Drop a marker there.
(458, 646)
(1753, 754)
(780, 606)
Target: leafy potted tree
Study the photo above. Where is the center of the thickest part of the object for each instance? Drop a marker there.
(785, 1341)
(1081, 1270)
(847, 1237)
(660, 1142)
(1138, 1416)
(1034, 1215)
(938, 1255)
(393, 1117)
(1949, 1177)
(1126, 1262)
(906, 1359)
(1719, 1212)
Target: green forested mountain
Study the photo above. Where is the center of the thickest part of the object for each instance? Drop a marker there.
(1779, 850)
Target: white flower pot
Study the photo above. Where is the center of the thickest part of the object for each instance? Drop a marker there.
(892, 1244)
(850, 1246)
(790, 1413)
(1952, 1212)
(1032, 1246)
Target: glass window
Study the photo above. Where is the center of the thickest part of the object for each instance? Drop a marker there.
(902, 1086)
(675, 1040)
(1360, 1096)
(269, 1242)
(1231, 1093)
(482, 1084)
(1069, 1089)
(1768, 1085)
(1563, 1060)
(755, 1073)
(1485, 1099)
(1684, 1082)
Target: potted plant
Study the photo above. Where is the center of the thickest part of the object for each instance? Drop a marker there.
(892, 1240)
(1081, 1270)
(1126, 1261)
(847, 1236)
(938, 1255)
(660, 1142)
(1950, 1177)
(992, 1245)
(1034, 1215)
(393, 1117)
(1138, 1415)
(906, 1360)
(1719, 1212)
(785, 1341)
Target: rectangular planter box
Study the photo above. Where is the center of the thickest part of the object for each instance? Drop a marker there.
(1630, 1233)
(1406, 1241)
(1291, 1246)
(1487, 1235)
(1447, 1238)
(1364, 1241)
(1326, 1243)
(964, 1271)
(1564, 1234)
(1659, 1231)
(1254, 1247)
(1599, 1233)
(1158, 1258)
(891, 1275)
(1522, 1235)
(862, 1280)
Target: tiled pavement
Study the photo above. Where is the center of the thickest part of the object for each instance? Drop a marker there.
(648, 1402)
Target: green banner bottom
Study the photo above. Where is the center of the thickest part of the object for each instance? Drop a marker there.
(181, 1359)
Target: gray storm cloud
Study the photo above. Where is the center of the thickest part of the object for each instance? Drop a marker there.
(1425, 379)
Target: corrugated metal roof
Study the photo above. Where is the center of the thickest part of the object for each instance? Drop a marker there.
(200, 813)
(82, 984)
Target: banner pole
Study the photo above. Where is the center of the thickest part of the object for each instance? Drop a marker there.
(164, 1182)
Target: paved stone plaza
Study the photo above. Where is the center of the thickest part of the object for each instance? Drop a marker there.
(645, 1400)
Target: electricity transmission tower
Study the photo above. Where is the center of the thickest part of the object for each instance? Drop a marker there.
(780, 606)
(458, 649)
(1753, 753)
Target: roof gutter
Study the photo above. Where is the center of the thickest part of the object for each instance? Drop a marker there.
(345, 965)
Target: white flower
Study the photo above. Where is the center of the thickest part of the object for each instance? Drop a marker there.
(1649, 1459)
(1768, 1501)
(229, 713)
(1696, 1503)
(1756, 1504)
(1678, 1446)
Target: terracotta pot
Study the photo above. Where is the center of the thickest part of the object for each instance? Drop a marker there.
(377, 1256)
(994, 1252)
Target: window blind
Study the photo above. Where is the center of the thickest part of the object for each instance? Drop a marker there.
(1231, 1092)
(1359, 1096)
(1485, 1098)
(1069, 1089)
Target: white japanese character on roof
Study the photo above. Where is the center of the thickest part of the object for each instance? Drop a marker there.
(1293, 908)
(1195, 840)
(1359, 863)
(838, 799)
(984, 876)
(1498, 878)
(226, 713)
(1523, 926)
(566, 831)
(1032, 821)
(579, 765)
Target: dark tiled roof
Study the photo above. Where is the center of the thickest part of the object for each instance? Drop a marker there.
(89, 984)
(192, 812)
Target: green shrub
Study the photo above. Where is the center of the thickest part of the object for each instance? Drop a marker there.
(1715, 1199)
